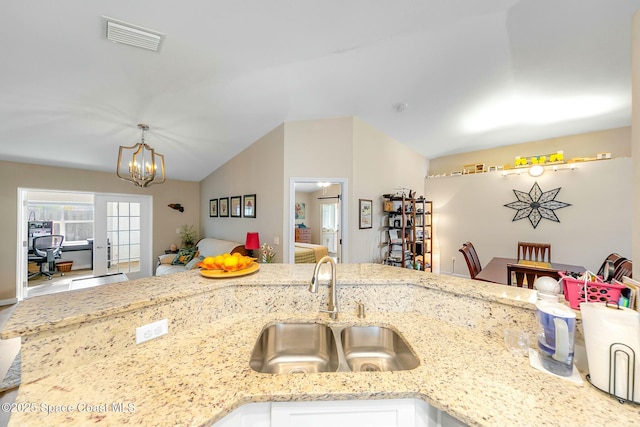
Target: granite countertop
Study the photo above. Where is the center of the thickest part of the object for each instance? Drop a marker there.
(199, 372)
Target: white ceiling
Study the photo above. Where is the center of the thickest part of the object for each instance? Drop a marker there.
(474, 74)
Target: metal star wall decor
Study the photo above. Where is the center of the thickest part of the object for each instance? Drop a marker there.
(536, 205)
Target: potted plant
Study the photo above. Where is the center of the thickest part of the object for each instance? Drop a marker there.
(188, 236)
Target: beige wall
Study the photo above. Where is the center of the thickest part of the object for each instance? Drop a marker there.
(635, 139)
(455, 200)
(317, 149)
(471, 208)
(19, 175)
(256, 170)
(371, 161)
(380, 165)
(616, 141)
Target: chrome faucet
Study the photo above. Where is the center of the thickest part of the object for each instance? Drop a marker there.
(333, 295)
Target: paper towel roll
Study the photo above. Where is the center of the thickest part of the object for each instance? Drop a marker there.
(607, 329)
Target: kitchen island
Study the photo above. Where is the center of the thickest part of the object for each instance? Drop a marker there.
(81, 363)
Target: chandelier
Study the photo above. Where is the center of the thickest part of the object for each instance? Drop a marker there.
(144, 164)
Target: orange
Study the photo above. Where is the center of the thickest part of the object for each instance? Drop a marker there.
(218, 261)
(227, 262)
(244, 261)
(230, 263)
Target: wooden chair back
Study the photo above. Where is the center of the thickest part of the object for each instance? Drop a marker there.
(623, 269)
(539, 252)
(615, 258)
(471, 257)
(528, 274)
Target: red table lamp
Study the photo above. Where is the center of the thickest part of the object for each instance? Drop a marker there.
(252, 242)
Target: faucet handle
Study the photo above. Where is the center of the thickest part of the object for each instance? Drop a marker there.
(333, 313)
(360, 306)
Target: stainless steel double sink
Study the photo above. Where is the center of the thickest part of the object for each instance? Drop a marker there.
(315, 347)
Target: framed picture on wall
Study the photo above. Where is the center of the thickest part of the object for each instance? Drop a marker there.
(213, 207)
(249, 205)
(236, 201)
(300, 210)
(224, 206)
(365, 208)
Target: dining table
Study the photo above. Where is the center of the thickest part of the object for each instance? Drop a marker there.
(501, 270)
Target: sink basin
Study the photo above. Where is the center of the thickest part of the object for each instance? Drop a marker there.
(376, 348)
(288, 348)
(295, 348)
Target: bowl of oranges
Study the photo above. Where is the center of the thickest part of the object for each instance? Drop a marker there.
(227, 265)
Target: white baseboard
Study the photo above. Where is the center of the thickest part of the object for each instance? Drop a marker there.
(9, 301)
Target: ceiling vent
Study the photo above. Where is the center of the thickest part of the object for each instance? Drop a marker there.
(133, 35)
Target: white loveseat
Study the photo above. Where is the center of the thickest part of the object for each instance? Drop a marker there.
(208, 246)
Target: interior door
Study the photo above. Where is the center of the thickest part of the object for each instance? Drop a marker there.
(122, 235)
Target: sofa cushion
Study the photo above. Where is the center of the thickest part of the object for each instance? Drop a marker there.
(193, 264)
(168, 269)
(166, 259)
(212, 247)
(208, 246)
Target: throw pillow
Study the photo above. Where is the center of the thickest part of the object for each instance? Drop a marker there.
(184, 256)
(166, 258)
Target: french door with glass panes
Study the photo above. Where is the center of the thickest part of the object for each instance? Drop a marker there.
(123, 241)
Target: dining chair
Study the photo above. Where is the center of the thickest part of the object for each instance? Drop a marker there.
(538, 252)
(471, 257)
(528, 274)
(615, 259)
(623, 269)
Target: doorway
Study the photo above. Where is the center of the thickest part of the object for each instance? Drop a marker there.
(317, 205)
(79, 218)
(330, 224)
(122, 235)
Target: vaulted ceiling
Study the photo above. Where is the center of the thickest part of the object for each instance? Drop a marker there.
(441, 76)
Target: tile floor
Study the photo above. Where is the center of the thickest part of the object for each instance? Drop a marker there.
(8, 351)
(58, 283)
(41, 285)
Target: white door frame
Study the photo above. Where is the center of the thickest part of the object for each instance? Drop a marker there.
(344, 203)
(22, 275)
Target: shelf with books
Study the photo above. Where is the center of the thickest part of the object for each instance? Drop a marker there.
(408, 232)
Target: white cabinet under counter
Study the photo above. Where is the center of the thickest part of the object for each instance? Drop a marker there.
(340, 413)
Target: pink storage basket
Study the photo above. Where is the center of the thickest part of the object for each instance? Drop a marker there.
(596, 291)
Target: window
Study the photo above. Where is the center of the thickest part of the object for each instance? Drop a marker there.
(74, 220)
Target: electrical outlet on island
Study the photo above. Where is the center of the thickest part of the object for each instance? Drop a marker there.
(152, 330)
